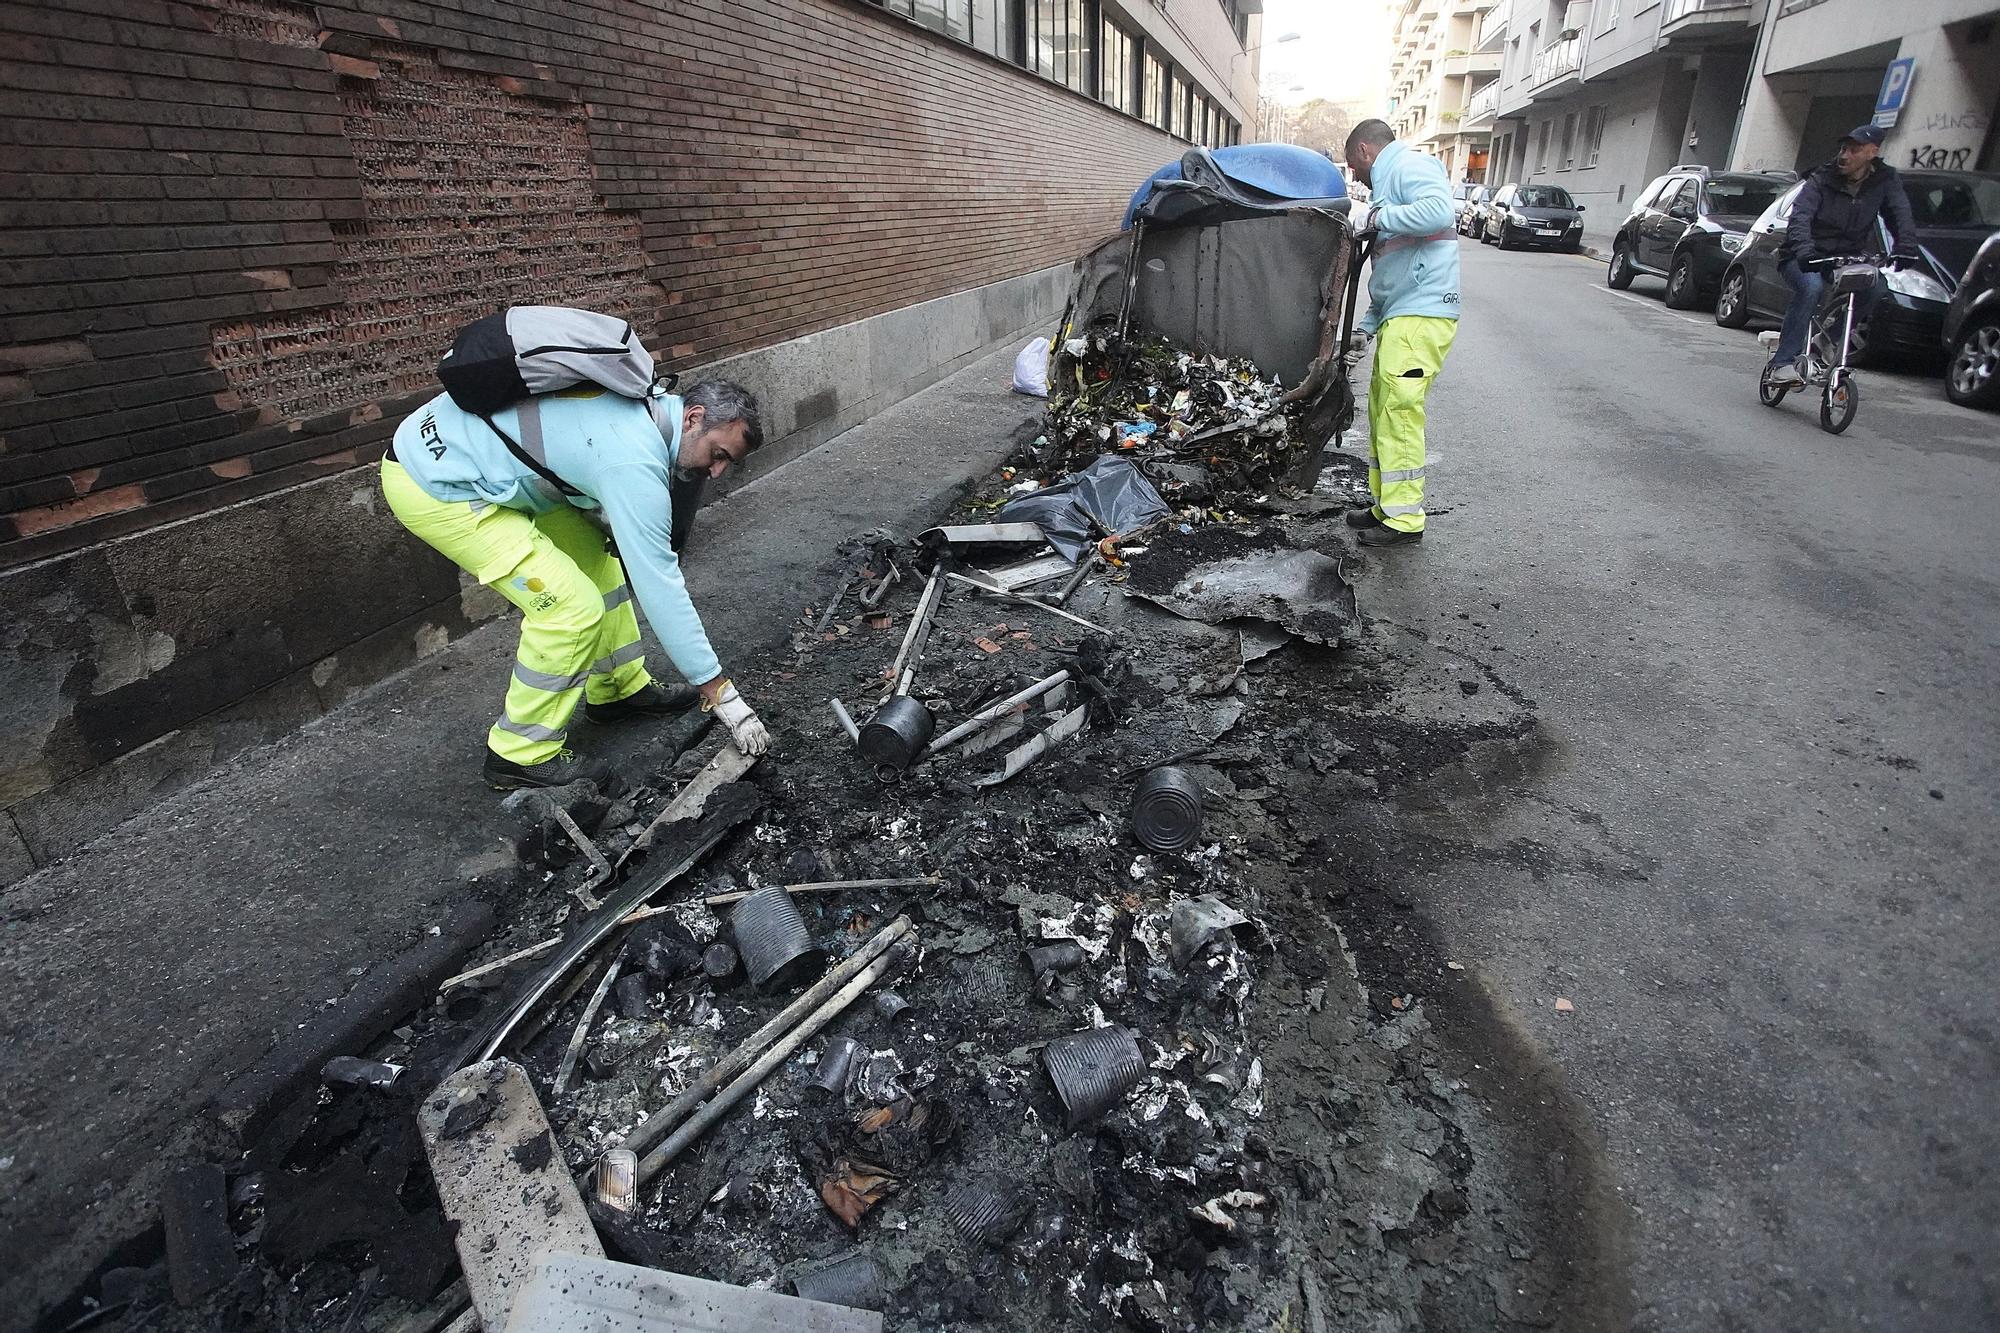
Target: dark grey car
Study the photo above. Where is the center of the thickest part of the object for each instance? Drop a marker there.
(1533, 215)
(1685, 227)
(1972, 331)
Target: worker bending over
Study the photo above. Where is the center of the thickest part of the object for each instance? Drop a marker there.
(452, 480)
(1412, 316)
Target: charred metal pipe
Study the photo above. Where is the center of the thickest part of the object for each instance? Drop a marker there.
(1026, 600)
(846, 720)
(657, 1160)
(734, 1063)
(994, 712)
(1083, 568)
(903, 672)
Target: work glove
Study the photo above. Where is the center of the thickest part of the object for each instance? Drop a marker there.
(745, 727)
(1360, 218)
(1357, 347)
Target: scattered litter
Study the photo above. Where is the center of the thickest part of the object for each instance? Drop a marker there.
(1563, 1006)
(350, 1071)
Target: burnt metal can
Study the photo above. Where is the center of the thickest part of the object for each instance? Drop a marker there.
(1166, 810)
(988, 1214)
(898, 733)
(1093, 1070)
(855, 1280)
(772, 938)
(836, 1065)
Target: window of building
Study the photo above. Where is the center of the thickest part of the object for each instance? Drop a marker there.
(1115, 74)
(1542, 147)
(1153, 92)
(1610, 15)
(1180, 92)
(1060, 40)
(1593, 135)
(1569, 141)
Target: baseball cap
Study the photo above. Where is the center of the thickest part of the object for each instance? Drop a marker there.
(1864, 134)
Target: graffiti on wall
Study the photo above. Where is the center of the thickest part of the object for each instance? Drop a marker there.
(1927, 157)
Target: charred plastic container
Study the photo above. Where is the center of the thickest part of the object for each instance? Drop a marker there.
(855, 1280)
(1166, 810)
(898, 733)
(772, 938)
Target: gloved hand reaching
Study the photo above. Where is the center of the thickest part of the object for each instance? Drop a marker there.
(1357, 347)
(745, 727)
(1360, 218)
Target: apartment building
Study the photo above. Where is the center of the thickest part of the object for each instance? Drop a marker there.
(1601, 96)
(1440, 81)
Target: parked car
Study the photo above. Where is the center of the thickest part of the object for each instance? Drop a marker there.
(1469, 208)
(1542, 215)
(1955, 212)
(1686, 225)
(1972, 331)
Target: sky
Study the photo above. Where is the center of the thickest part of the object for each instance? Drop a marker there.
(1342, 53)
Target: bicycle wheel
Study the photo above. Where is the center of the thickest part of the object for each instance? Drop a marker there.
(1769, 394)
(1838, 401)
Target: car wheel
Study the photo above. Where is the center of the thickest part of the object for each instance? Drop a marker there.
(1732, 308)
(1506, 241)
(1619, 275)
(1681, 287)
(1972, 378)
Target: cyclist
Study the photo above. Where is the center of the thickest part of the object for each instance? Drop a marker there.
(1834, 216)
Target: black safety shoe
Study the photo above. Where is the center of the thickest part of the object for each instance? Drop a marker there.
(1364, 517)
(650, 701)
(1388, 536)
(568, 766)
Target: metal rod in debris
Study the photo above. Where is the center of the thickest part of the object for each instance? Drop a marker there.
(903, 673)
(1029, 751)
(994, 712)
(655, 1161)
(846, 721)
(1030, 601)
(567, 1069)
(729, 1066)
(831, 886)
(1083, 568)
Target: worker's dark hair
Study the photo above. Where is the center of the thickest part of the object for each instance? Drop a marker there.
(1374, 133)
(723, 402)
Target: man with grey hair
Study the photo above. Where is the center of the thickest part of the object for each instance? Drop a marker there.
(532, 526)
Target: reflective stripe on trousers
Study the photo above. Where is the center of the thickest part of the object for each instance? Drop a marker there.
(1409, 352)
(579, 632)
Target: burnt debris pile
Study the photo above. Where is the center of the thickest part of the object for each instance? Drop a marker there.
(1204, 429)
(1001, 996)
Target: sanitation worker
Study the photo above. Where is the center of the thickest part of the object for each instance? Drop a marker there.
(454, 482)
(1412, 318)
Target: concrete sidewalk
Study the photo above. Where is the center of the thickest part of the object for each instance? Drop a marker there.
(215, 950)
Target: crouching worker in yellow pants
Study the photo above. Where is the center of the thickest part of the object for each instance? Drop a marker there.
(1412, 316)
(455, 482)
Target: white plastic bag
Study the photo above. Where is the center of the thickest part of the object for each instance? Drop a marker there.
(1031, 369)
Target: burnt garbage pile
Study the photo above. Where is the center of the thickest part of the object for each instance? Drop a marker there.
(952, 1013)
(1204, 429)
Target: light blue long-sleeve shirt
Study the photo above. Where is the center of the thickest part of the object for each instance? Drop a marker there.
(602, 444)
(1415, 268)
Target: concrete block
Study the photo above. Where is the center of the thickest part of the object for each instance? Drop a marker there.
(502, 1179)
(574, 1293)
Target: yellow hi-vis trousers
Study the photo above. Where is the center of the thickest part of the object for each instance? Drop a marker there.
(579, 633)
(1409, 352)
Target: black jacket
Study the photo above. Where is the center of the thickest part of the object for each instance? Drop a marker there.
(1831, 217)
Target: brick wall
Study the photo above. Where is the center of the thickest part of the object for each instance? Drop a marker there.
(234, 236)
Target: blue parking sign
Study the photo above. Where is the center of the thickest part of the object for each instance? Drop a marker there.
(1896, 82)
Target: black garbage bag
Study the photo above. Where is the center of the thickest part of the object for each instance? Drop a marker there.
(1111, 495)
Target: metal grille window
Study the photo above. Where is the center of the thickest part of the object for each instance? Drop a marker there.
(1115, 74)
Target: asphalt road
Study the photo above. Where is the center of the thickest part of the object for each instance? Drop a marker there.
(1756, 848)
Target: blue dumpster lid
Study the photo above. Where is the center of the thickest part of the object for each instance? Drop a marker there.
(1240, 181)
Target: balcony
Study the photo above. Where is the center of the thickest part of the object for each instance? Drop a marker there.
(1492, 29)
(1557, 68)
(1479, 62)
(1689, 24)
(1482, 109)
(1427, 8)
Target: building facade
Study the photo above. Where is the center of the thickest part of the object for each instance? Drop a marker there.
(1439, 77)
(1821, 66)
(1601, 96)
(239, 233)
